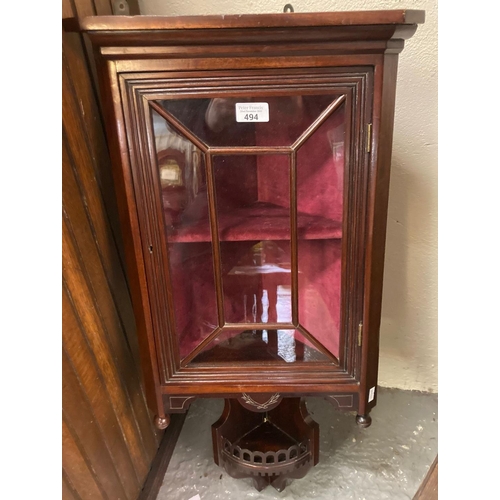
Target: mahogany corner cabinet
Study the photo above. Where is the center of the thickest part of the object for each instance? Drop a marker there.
(251, 158)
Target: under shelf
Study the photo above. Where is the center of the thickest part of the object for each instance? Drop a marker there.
(260, 221)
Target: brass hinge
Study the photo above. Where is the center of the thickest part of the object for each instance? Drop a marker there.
(368, 137)
(360, 333)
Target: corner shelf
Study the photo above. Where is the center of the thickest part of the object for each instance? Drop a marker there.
(257, 222)
(270, 446)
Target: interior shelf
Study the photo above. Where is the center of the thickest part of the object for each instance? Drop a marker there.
(260, 221)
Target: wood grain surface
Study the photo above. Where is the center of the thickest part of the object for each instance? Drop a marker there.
(109, 441)
(429, 488)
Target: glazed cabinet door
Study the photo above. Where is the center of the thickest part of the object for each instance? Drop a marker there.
(251, 199)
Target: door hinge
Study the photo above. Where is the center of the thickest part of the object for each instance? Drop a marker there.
(368, 138)
(360, 333)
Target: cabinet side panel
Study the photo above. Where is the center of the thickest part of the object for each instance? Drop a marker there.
(115, 129)
(378, 196)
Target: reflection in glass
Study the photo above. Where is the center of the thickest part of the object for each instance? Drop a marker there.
(257, 289)
(181, 169)
(214, 120)
(254, 231)
(320, 176)
(253, 217)
(283, 345)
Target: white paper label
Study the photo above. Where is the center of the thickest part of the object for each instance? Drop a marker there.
(169, 174)
(371, 394)
(252, 112)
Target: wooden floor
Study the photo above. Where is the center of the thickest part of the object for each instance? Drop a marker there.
(429, 488)
(162, 459)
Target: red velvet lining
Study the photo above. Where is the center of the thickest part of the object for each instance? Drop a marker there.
(320, 268)
(193, 284)
(260, 221)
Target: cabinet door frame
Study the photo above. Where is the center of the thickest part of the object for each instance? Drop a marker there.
(137, 90)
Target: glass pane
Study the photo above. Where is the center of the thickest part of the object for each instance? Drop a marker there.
(214, 121)
(253, 213)
(256, 282)
(284, 346)
(320, 176)
(182, 176)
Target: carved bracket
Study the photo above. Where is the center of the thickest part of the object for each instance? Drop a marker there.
(260, 402)
(177, 404)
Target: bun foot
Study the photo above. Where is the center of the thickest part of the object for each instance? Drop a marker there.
(364, 420)
(162, 422)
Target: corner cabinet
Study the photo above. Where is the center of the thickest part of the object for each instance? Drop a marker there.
(251, 160)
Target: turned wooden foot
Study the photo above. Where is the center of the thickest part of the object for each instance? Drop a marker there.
(162, 422)
(364, 420)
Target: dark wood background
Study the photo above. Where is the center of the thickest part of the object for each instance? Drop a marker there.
(109, 440)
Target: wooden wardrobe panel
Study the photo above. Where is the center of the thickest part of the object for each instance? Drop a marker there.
(83, 8)
(74, 63)
(68, 493)
(95, 244)
(78, 410)
(67, 9)
(109, 440)
(85, 306)
(96, 395)
(103, 7)
(78, 471)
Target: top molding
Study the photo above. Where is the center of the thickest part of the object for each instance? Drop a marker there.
(289, 20)
(262, 36)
